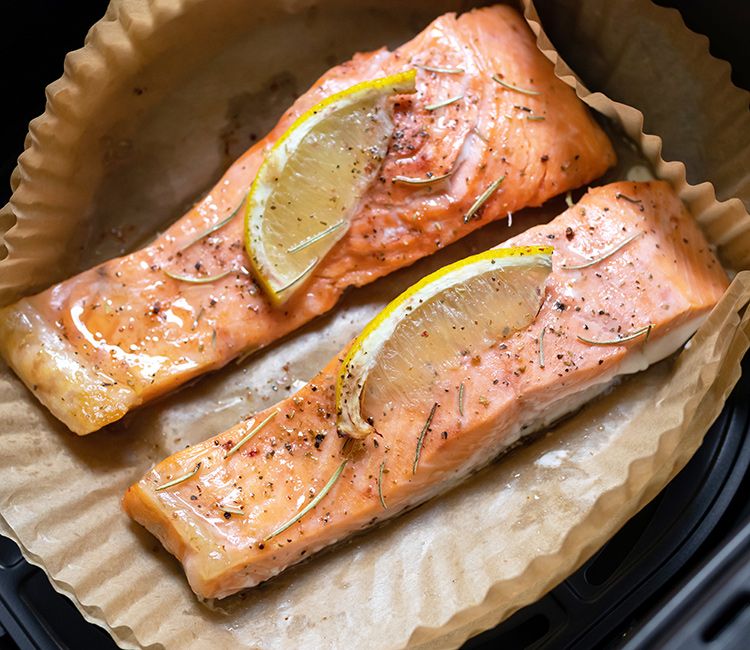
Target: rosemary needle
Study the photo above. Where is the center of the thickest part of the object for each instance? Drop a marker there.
(309, 241)
(193, 280)
(536, 118)
(603, 257)
(431, 68)
(505, 84)
(179, 479)
(541, 347)
(318, 498)
(250, 434)
(304, 273)
(629, 337)
(380, 486)
(569, 199)
(232, 510)
(620, 195)
(420, 441)
(446, 102)
(212, 229)
(408, 180)
(461, 399)
(482, 198)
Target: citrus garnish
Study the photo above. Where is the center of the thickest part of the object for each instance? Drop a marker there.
(312, 180)
(434, 326)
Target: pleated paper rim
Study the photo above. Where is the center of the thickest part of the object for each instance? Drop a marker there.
(113, 43)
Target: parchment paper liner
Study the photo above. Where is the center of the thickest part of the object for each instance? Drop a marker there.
(448, 570)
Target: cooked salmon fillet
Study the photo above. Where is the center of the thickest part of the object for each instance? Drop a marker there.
(123, 333)
(666, 277)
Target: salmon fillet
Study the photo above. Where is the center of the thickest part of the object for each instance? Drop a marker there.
(123, 333)
(666, 276)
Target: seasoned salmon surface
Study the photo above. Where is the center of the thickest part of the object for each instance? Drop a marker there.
(644, 261)
(125, 332)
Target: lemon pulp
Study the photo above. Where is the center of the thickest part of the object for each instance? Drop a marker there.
(436, 325)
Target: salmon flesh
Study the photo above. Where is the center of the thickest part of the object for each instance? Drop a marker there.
(123, 333)
(626, 257)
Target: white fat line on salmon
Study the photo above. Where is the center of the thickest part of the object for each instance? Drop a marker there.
(604, 256)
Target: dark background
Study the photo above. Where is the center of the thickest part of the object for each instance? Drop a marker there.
(38, 33)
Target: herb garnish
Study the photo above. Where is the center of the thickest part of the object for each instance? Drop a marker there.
(247, 437)
(420, 441)
(380, 486)
(535, 118)
(482, 198)
(212, 229)
(232, 510)
(316, 237)
(179, 479)
(569, 199)
(620, 195)
(541, 347)
(301, 276)
(193, 280)
(318, 498)
(432, 68)
(505, 84)
(628, 337)
(603, 257)
(408, 180)
(446, 102)
(461, 399)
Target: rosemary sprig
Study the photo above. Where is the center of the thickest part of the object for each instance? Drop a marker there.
(250, 434)
(408, 180)
(505, 84)
(318, 498)
(232, 510)
(179, 479)
(193, 280)
(309, 241)
(628, 337)
(620, 195)
(482, 198)
(432, 68)
(380, 486)
(420, 441)
(541, 347)
(461, 399)
(212, 229)
(301, 276)
(603, 257)
(535, 118)
(445, 102)
(569, 199)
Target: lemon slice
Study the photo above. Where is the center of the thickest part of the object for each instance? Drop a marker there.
(436, 325)
(311, 181)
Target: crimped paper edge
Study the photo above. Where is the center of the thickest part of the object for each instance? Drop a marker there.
(146, 18)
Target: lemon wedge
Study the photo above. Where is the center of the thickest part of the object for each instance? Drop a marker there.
(435, 325)
(311, 181)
